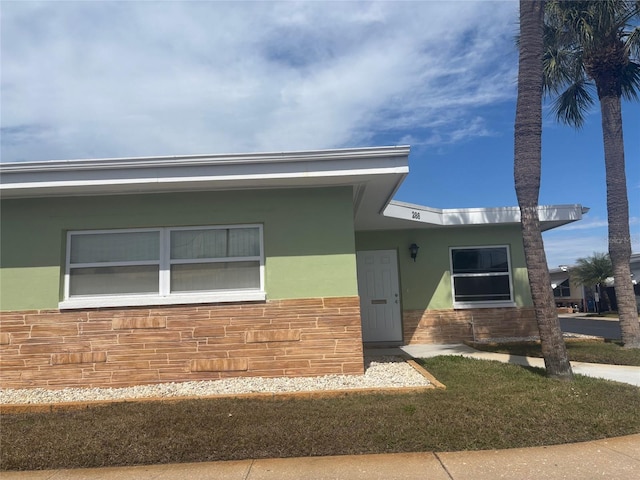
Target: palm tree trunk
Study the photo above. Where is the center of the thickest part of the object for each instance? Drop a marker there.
(604, 298)
(527, 169)
(618, 219)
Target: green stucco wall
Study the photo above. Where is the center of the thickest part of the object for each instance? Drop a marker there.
(308, 237)
(426, 283)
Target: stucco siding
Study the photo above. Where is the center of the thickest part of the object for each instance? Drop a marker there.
(428, 313)
(308, 237)
(426, 283)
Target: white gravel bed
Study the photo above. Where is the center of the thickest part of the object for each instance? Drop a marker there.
(381, 372)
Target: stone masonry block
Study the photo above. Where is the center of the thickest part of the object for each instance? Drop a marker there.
(220, 365)
(299, 302)
(213, 331)
(55, 318)
(127, 323)
(259, 336)
(51, 330)
(151, 337)
(342, 302)
(79, 357)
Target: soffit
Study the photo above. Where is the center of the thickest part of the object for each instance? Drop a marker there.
(400, 215)
(373, 173)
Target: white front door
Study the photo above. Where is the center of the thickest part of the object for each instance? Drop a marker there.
(379, 292)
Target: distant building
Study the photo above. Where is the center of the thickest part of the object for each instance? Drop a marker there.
(569, 295)
(573, 296)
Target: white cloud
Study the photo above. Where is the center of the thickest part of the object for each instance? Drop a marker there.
(97, 79)
(565, 250)
(565, 245)
(589, 224)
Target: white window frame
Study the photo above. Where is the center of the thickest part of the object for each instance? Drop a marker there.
(482, 303)
(164, 295)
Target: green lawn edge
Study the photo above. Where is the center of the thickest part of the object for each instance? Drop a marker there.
(486, 405)
(579, 350)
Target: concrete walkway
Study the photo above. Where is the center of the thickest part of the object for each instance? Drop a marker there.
(614, 458)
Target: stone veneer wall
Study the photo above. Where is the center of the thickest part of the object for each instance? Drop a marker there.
(132, 346)
(455, 326)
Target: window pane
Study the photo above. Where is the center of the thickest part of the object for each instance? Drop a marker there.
(480, 260)
(482, 289)
(114, 280)
(215, 276)
(115, 247)
(189, 244)
(244, 242)
(562, 290)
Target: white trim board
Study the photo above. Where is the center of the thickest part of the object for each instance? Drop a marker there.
(374, 173)
(550, 215)
(113, 176)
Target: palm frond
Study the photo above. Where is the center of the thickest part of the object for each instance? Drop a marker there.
(630, 81)
(592, 270)
(572, 105)
(593, 23)
(556, 69)
(559, 60)
(582, 41)
(629, 12)
(632, 44)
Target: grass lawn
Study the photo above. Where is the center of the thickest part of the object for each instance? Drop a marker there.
(591, 351)
(486, 405)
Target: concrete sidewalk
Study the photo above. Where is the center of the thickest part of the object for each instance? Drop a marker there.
(614, 458)
(618, 373)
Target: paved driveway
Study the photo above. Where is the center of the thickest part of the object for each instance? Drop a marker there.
(589, 326)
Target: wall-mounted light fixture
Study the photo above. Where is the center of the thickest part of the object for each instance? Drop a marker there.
(413, 249)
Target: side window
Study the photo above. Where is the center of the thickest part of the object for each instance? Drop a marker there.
(562, 290)
(481, 276)
(110, 263)
(193, 263)
(214, 259)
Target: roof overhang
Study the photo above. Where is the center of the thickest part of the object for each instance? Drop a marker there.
(558, 276)
(406, 215)
(373, 173)
(202, 172)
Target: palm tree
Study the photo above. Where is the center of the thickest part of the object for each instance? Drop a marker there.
(593, 270)
(594, 44)
(527, 170)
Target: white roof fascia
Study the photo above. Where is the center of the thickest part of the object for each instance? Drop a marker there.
(414, 213)
(191, 160)
(124, 175)
(551, 216)
(558, 276)
(194, 179)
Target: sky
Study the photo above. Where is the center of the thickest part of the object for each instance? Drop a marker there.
(98, 79)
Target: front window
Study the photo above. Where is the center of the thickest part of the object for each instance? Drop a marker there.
(164, 265)
(481, 276)
(215, 259)
(562, 290)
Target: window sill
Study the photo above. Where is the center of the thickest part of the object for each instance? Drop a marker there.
(468, 305)
(151, 300)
